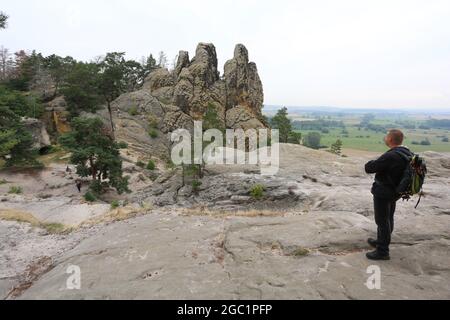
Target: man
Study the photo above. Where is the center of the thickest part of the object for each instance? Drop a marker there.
(389, 170)
(79, 184)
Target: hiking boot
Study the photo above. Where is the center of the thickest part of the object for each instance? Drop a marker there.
(376, 255)
(373, 243)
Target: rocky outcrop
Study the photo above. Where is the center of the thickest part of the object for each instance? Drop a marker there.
(41, 138)
(195, 85)
(56, 117)
(170, 100)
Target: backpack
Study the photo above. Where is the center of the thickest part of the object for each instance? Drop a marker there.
(413, 177)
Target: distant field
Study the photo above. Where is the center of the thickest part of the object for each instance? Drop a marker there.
(372, 141)
(369, 140)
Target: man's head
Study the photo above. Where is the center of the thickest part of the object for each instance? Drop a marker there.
(394, 138)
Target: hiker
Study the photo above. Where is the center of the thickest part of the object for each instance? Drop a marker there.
(79, 184)
(389, 169)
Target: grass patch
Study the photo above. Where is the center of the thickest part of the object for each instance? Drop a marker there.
(133, 111)
(151, 165)
(257, 192)
(300, 252)
(115, 215)
(115, 204)
(25, 217)
(15, 190)
(202, 211)
(90, 197)
(153, 133)
(3, 181)
(140, 164)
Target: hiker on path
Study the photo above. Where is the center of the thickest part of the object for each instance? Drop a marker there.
(79, 184)
(389, 170)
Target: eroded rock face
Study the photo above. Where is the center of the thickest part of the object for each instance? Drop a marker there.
(195, 85)
(41, 138)
(244, 87)
(171, 100)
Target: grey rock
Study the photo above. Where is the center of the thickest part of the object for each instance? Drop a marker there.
(38, 131)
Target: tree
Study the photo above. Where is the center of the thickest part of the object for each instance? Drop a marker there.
(148, 66)
(295, 137)
(281, 122)
(162, 60)
(6, 64)
(20, 104)
(59, 68)
(16, 143)
(3, 20)
(81, 88)
(111, 83)
(312, 140)
(96, 154)
(24, 70)
(336, 147)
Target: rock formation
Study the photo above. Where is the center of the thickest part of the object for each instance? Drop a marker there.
(171, 100)
(195, 85)
(41, 138)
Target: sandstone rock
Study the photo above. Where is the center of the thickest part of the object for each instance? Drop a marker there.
(243, 84)
(56, 117)
(41, 138)
(194, 86)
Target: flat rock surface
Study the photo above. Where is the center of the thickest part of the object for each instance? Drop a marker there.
(306, 239)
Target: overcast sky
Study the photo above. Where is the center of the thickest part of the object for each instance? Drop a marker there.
(346, 53)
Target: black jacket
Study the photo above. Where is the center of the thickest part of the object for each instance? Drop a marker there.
(389, 169)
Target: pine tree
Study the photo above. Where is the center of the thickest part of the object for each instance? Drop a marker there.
(336, 147)
(95, 154)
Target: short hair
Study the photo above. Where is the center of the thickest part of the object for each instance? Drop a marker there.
(397, 136)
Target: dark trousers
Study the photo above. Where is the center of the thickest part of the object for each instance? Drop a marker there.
(384, 217)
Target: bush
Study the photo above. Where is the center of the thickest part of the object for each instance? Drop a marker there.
(153, 133)
(312, 140)
(151, 165)
(115, 204)
(133, 111)
(96, 187)
(426, 142)
(15, 190)
(196, 186)
(152, 121)
(140, 164)
(445, 139)
(258, 191)
(90, 197)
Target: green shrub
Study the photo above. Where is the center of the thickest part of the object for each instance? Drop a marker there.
(96, 187)
(115, 204)
(153, 133)
(55, 228)
(152, 121)
(90, 197)
(133, 111)
(196, 186)
(140, 164)
(15, 190)
(151, 165)
(3, 181)
(258, 191)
